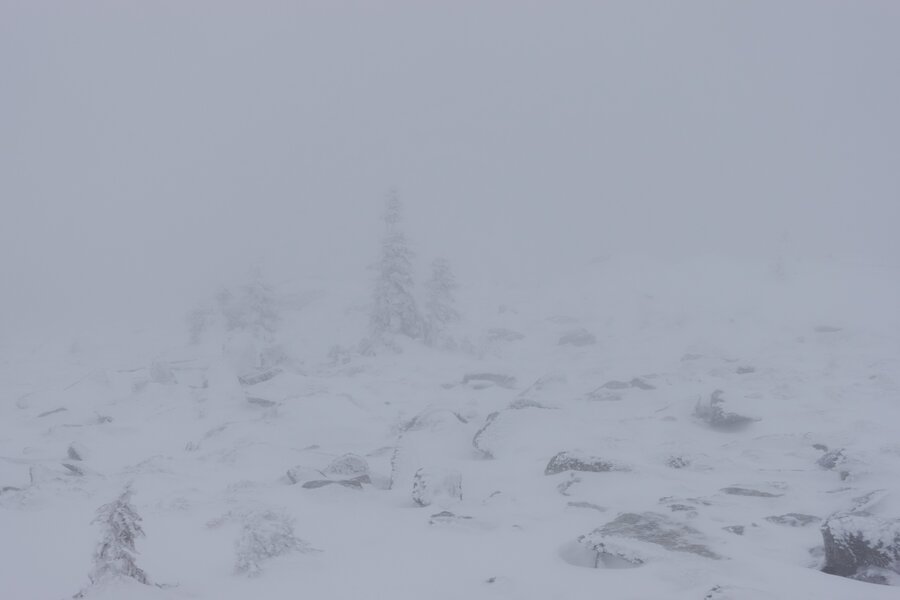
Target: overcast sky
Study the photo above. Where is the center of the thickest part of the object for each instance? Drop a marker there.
(151, 149)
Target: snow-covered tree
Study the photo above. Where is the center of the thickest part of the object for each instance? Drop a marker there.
(114, 556)
(394, 308)
(440, 302)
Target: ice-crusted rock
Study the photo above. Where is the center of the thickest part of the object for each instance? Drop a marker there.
(577, 461)
(861, 546)
(744, 491)
(832, 459)
(577, 337)
(480, 381)
(447, 517)
(714, 415)
(347, 466)
(636, 537)
(610, 390)
(793, 519)
(258, 376)
(537, 391)
(355, 483)
(432, 419)
(501, 334)
(440, 486)
(479, 440)
(301, 473)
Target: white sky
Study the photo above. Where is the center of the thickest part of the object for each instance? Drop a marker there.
(150, 149)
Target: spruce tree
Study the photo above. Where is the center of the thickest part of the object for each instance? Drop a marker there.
(114, 556)
(394, 308)
(440, 303)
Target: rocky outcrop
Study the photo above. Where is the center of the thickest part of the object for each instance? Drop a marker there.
(631, 537)
(861, 546)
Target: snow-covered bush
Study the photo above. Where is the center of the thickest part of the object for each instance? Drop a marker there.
(265, 535)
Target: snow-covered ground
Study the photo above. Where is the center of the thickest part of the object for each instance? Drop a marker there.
(664, 493)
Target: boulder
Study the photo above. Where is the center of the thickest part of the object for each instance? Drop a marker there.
(440, 486)
(347, 466)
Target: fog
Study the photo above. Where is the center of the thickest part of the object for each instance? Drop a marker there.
(150, 150)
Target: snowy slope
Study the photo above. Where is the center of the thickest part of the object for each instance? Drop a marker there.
(813, 362)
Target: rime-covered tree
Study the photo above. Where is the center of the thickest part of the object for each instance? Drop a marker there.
(252, 307)
(440, 302)
(394, 309)
(114, 556)
(243, 320)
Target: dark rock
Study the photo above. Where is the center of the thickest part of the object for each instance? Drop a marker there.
(570, 461)
(75, 452)
(265, 403)
(735, 529)
(577, 337)
(640, 384)
(832, 459)
(821, 447)
(716, 417)
(677, 462)
(745, 370)
(742, 491)
(73, 470)
(858, 544)
(615, 539)
(356, 483)
(793, 519)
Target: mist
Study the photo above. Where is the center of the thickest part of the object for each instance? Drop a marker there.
(151, 151)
